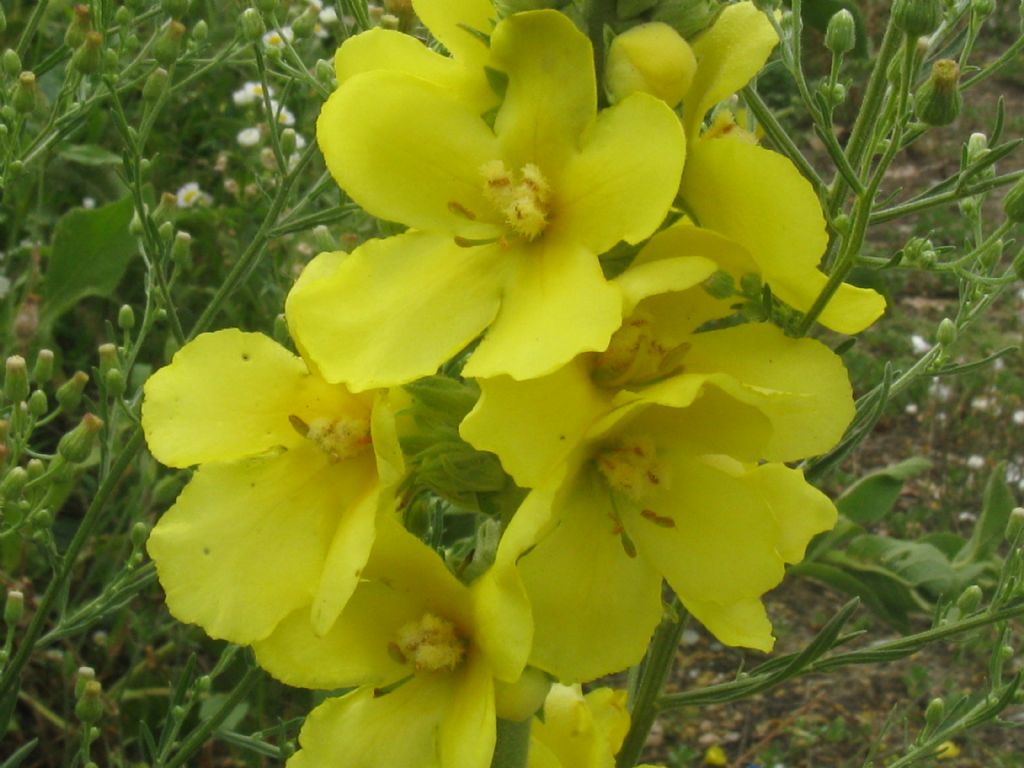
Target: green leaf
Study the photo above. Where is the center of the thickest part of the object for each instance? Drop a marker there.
(886, 598)
(627, 9)
(917, 565)
(872, 497)
(997, 503)
(91, 251)
(89, 154)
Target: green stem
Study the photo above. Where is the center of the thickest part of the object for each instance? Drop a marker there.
(513, 745)
(656, 668)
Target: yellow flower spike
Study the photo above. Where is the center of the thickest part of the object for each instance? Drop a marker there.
(579, 731)
(410, 643)
(650, 58)
(510, 220)
(281, 511)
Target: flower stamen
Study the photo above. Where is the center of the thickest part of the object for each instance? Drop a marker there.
(429, 644)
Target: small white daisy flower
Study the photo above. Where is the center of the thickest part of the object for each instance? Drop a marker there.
(190, 195)
(911, 409)
(278, 38)
(250, 93)
(919, 345)
(1018, 418)
(974, 461)
(89, 203)
(328, 16)
(282, 114)
(981, 403)
(249, 137)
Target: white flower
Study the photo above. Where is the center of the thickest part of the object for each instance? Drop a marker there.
(919, 345)
(278, 38)
(191, 195)
(315, 4)
(981, 403)
(249, 137)
(328, 16)
(300, 142)
(967, 517)
(1018, 418)
(911, 409)
(89, 203)
(974, 461)
(1013, 473)
(250, 93)
(282, 114)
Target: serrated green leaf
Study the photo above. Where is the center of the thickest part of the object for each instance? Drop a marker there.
(91, 251)
(872, 497)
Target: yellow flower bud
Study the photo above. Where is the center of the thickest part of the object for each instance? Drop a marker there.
(650, 58)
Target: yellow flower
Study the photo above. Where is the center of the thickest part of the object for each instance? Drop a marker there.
(280, 512)
(652, 58)
(423, 655)
(661, 458)
(505, 224)
(756, 197)
(577, 730)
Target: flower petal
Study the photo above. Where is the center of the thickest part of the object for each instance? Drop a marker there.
(407, 150)
(552, 92)
(245, 543)
(448, 21)
(806, 388)
(395, 309)
(397, 51)
(229, 394)
(729, 54)
(364, 730)
(534, 425)
(594, 606)
(557, 304)
(759, 199)
(801, 510)
(654, 277)
(467, 733)
(620, 184)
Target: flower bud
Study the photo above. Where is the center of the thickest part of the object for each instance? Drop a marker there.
(650, 58)
(266, 6)
(12, 483)
(138, 535)
(1015, 524)
(83, 676)
(946, 333)
(81, 24)
(155, 84)
(841, 32)
(89, 708)
(42, 371)
(38, 404)
(306, 23)
(201, 31)
(77, 444)
(253, 27)
(520, 700)
(123, 16)
(16, 379)
(1013, 203)
(125, 317)
(35, 468)
(26, 94)
(11, 62)
(920, 252)
(938, 100)
(88, 57)
(108, 357)
(983, 8)
(934, 713)
(167, 47)
(69, 394)
(14, 607)
(324, 72)
(916, 18)
(720, 285)
(181, 250)
(288, 140)
(166, 231)
(175, 8)
(113, 380)
(969, 599)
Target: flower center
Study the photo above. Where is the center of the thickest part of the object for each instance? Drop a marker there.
(635, 356)
(631, 468)
(430, 644)
(344, 437)
(522, 198)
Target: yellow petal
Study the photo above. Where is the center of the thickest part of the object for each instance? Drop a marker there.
(408, 150)
(653, 277)
(448, 21)
(594, 606)
(534, 425)
(758, 199)
(583, 731)
(389, 49)
(467, 733)
(245, 543)
(729, 54)
(551, 94)
(229, 394)
(800, 509)
(743, 623)
(805, 386)
(557, 304)
(395, 309)
(364, 730)
(622, 181)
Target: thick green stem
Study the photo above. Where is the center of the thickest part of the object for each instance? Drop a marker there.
(513, 745)
(657, 666)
